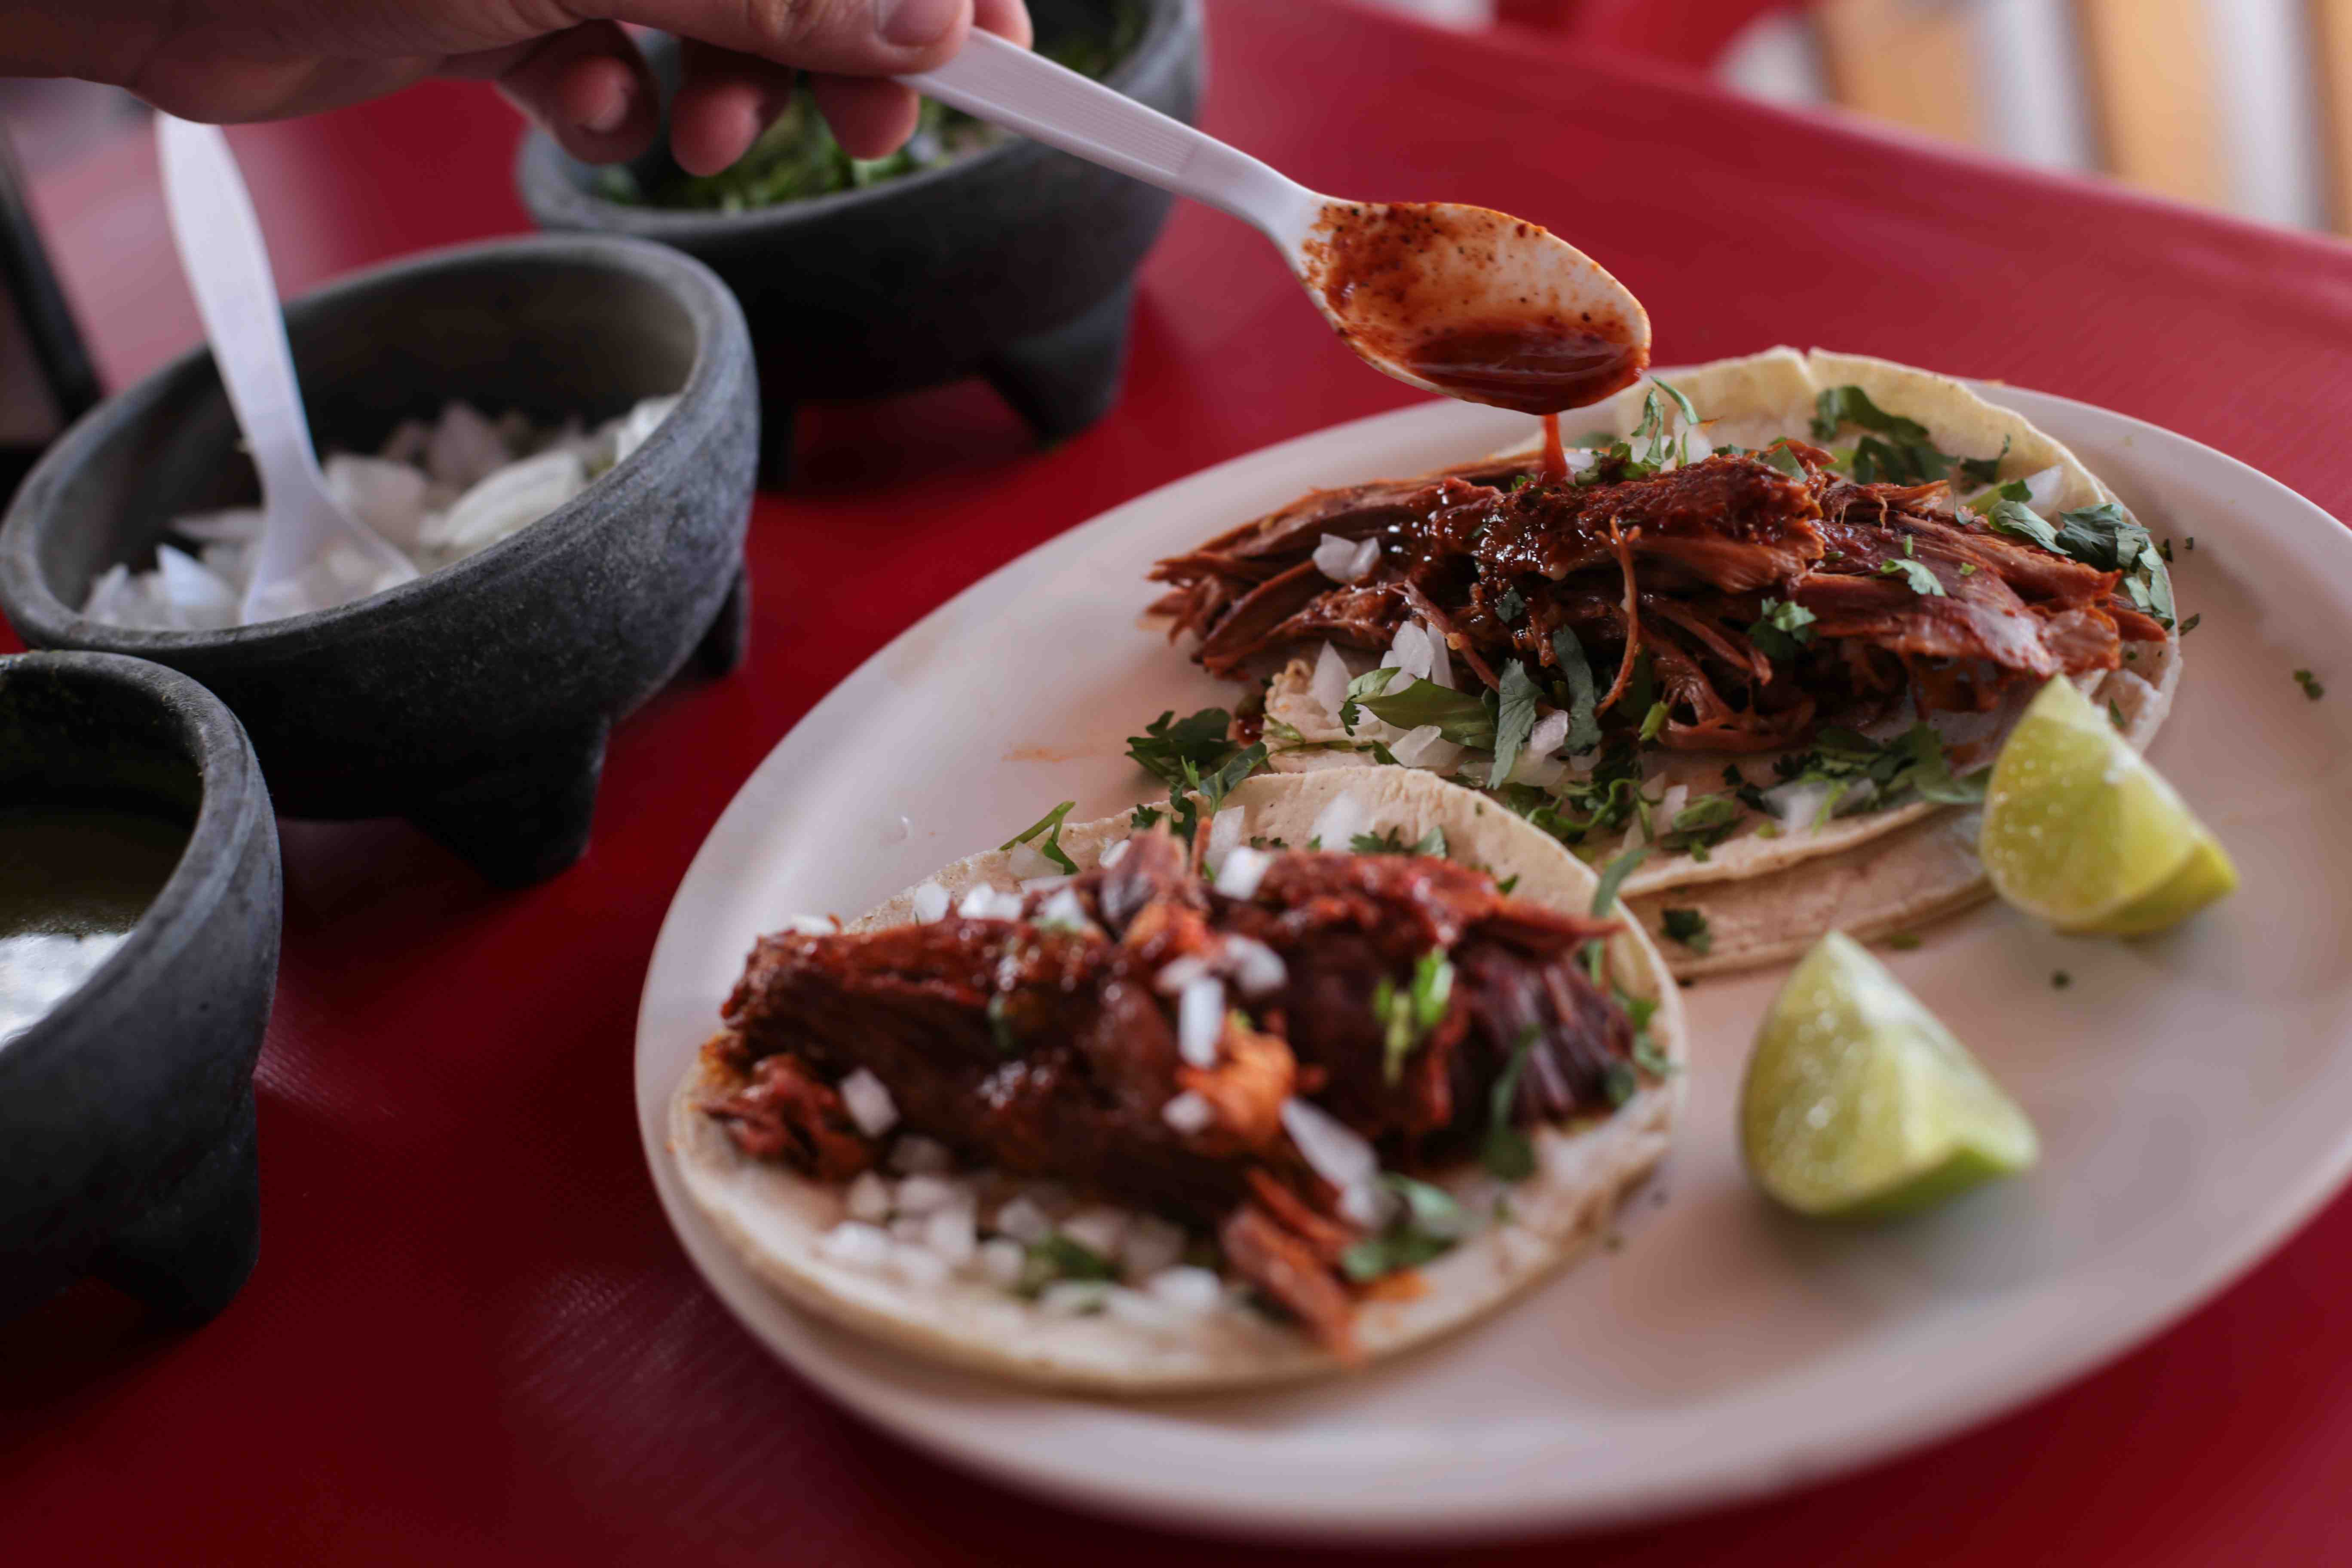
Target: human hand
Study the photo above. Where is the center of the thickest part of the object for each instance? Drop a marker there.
(568, 63)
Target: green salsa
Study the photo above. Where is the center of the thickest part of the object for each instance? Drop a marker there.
(797, 157)
(74, 880)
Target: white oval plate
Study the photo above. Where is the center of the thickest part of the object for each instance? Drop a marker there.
(2192, 1094)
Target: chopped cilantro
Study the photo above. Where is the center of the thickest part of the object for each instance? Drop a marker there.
(1510, 605)
(2105, 537)
(1922, 581)
(1783, 628)
(1840, 406)
(1584, 696)
(1507, 1154)
(1907, 545)
(1428, 1223)
(1779, 455)
(2311, 687)
(1619, 1083)
(1985, 470)
(1406, 1016)
(1514, 718)
(1143, 816)
(1050, 825)
(1688, 927)
(2060, 979)
(1392, 843)
(1506, 884)
(1911, 763)
(1058, 1257)
(1168, 742)
(1903, 941)
(2116, 715)
(1461, 717)
(1967, 568)
(2190, 624)
(2014, 517)
(1653, 722)
(1000, 1027)
(1186, 816)
(1613, 876)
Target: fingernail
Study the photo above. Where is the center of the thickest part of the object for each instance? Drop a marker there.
(608, 117)
(911, 24)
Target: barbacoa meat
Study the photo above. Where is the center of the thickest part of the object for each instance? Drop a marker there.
(1676, 566)
(1049, 1052)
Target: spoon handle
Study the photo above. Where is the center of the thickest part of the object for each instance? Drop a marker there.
(1008, 86)
(221, 249)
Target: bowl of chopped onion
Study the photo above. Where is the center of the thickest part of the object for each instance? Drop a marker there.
(559, 433)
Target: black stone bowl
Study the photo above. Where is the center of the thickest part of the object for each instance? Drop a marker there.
(475, 700)
(126, 1112)
(1016, 263)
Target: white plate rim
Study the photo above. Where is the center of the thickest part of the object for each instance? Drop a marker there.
(1170, 1498)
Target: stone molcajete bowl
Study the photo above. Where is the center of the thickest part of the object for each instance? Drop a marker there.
(126, 1111)
(475, 700)
(1016, 263)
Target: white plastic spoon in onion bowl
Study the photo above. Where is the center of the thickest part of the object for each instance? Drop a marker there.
(228, 265)
(1465, 300)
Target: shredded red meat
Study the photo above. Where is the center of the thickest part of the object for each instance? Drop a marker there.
(1048, 1052)
(1676, 566)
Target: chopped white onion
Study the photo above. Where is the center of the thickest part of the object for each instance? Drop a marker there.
(1441, 658)
(811, 925)
(1410, 651)
(1114, 855)
(1337, 1154)
(868, 1198)
(1367, 1206)
(1336, 825)
(1044, 884)
(908, 1229)
(930, 902)
(1136, 1310)
(1098, 1230)
(1549, 731)
(1258, 968)
(1345, 559)
(1243, 868)
(1178, 972)
(913, 1154)
(1412, 749)
(1797, 805)
(1000, 1261)
(1329, 687)
(1188, 1113)
(1580, 459)
(1024, 1221)
(1028, 862)
(1671, 807)
(952, 1234)
(987, 903)
(1224, 834)
(855, 1244)
(2041, 488)
(1532, 767)
(920, 1194)
(1200, 1020)
(1063, 911)
(1187, 1290)
(869, 1103)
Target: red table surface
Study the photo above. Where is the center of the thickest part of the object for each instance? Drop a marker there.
(471, 1336)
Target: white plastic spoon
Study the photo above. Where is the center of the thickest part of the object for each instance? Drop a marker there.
(1464, 301)
(227, 265)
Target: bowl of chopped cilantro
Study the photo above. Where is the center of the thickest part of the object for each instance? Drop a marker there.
(969, 252)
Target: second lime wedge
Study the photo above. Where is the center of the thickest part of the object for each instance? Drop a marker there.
(1859, 1103)
(2079, 830)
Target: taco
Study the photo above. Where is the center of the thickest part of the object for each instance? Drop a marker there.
(1768, 623)
(1151, 1126)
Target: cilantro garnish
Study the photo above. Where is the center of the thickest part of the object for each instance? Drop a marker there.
(2191, 624)
(2311, 687)
(1703, 824)
(1168, 742)
(1653, 722)
(2013, 516)
(1688, 927)
(1050, 825)
(2105, 537)
(1510, 605)
(1601, 803)
(1903, 941)
(2060, 979)
(1506, 884)
(1911, 763)
(1514, 718)
(1922, 581)
(1604, 897)
(1142, 817)
(1461, 716)
(1898, 450)
(1583, 694)
(1507, 1154)
(1779, 455)
(1406, 1016)
(1392, 843)
(1428, 1223)
(1985, 470)
(1783, 628)
(1840, 406)
(1058, 1257)
(1186, 816)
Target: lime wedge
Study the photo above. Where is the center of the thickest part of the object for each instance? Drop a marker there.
(2080, 831)
(1859, 1103)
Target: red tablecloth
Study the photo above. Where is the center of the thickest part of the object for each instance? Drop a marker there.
(471, 1337)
